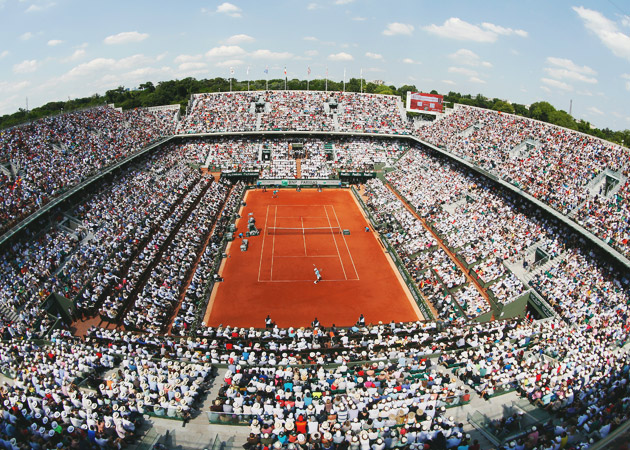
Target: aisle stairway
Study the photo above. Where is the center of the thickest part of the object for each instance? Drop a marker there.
(298, 168)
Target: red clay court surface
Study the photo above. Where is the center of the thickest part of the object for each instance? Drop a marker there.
(275, 275)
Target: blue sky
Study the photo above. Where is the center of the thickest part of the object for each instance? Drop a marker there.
(519, 51)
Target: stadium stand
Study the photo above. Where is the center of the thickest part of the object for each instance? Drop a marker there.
(139, 254)
(563, 168)
(50, 155)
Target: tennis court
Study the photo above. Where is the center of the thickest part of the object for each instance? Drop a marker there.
(300, 238)
(275, 276)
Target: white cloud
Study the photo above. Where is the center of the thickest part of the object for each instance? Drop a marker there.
(26, 66)
(557, 84)
(312, 6)
(558, 73)
(187, 66)
(77, 54)
(456, 28)
(341, 56)
(239, 39)
(469, 58)
(476, 80)
(89, 68)
(398, 28)
(229, 9)
(133, 62)
(343, 2)
(179, 59)
(311, 53)
(546, 89)
(7, 87)
(225, 51)
(450, 82)
(463, 71)
(359, 19)
(142, 73)
(39, 7)
(410, 61)
(374, 55)
(627, 85)
(595, 110)
(567, 69)
(103, 72)
(26, 36)
(314, 39)
(126, 37)
(503, 31)
(4, 54)
(230, 63)
(268, 54)
(54, 42)
(570, 65)
(606, 30)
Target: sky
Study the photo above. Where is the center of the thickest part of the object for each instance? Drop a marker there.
(557, 51)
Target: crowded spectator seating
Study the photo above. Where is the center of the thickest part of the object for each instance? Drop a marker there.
(43, 404)
(145, 246)
(51, 155)
(164, 388)
(198, 291)
(296, 111)
(556, 165)
(220, 112)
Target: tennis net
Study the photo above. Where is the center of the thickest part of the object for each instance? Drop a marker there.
(303, 231)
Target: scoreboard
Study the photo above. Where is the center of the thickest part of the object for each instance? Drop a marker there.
(424, 103)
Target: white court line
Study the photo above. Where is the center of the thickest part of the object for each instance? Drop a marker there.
(335, 241)
(263, 244)
(273, 245)
(301, 281)
(346, 242)
(301, 217)
(312, 256)
(304, 237)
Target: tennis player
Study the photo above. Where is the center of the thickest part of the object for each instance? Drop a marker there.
(318, 275)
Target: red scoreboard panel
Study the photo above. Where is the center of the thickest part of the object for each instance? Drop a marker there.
(425, 102)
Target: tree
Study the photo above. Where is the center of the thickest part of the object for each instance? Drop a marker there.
(386, 90)
(500, 105)
(402, 91)
(370, 88)
(541, 111)
(148, 86)
(562, 119)
(482, 102)
(179, 92)
(354, 85)
(520, 110)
